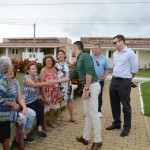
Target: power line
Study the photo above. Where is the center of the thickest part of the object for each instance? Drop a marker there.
(96, 3)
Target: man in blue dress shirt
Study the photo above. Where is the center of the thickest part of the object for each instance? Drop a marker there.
(125, 68)
(102, 67)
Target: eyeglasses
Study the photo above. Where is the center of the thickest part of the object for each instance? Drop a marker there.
(116, 42)
(97, 63)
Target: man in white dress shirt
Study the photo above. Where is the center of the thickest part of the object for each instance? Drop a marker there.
(125, 68)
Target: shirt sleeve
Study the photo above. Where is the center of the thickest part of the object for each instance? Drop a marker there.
(73, 75)
(133, 62)
(107, 65)
(3, 91)
(88, 64)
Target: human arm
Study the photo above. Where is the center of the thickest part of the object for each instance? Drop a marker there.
(105, 75)
(133, 63)
(42, 79)
(22, 103)
(31, 83)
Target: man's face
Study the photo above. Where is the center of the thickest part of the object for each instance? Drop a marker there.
(96, 50)
(73, 50)
(117, 43)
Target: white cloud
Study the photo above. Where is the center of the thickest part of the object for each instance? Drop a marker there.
(75, 21)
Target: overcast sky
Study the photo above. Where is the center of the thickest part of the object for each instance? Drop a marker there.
(74, 18)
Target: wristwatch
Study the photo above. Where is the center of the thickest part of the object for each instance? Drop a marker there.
(86, 89)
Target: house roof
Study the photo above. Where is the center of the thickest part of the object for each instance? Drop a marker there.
(137, 43)
(32, 44)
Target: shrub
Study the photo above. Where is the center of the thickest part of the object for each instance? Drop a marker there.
(39, 67)
(20, 64)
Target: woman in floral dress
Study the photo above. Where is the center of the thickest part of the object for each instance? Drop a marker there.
(63, 70)
(51, 93)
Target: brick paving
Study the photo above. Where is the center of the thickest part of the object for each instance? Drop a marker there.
(63, 137)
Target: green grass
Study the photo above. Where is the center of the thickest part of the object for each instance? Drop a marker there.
(143, 73)
(145, 89)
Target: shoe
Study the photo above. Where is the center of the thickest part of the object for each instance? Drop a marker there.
(100, 114)
(96, 146)
(125, 132)
(29, 140)
(82, 140)
(112, 127)
(74, 121)
(52, 125)
(47, 129)
(41, 134)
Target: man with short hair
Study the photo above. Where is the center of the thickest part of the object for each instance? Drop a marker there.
(85, 70)
(125, 68)
(102, 67)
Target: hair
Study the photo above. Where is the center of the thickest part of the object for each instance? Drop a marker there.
(79, 45)
(5, 63)
(120, 37)
(48, 56)
(97, 45)
(27, 68)
(62, 52)
(14, 72)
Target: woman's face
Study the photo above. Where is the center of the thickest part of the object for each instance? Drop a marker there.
(10, 73)
(60, 56)
(49, 62)
(33, 70)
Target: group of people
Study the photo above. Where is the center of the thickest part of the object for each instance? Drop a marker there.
(44, 94)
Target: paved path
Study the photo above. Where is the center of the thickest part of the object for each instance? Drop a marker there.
(63, 138)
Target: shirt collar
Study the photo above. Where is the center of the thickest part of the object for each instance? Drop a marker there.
(79, 55)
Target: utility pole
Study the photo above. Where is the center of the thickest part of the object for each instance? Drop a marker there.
(34, 25)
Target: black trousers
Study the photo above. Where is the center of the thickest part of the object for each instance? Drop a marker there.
(119, 91)
(100, 96)
(38, 107)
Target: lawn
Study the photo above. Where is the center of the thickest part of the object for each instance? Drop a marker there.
(143, 73)
(145, 89)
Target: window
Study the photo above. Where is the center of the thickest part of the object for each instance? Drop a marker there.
(14, 51)
(110, 54)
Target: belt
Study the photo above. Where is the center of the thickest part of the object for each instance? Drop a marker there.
(119, 78)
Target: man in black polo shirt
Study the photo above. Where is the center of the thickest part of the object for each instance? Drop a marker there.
(85, 70)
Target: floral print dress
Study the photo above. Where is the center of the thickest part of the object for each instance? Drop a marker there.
(53, 92)
(63, 70)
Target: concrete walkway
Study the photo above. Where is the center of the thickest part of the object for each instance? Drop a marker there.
(63, 138)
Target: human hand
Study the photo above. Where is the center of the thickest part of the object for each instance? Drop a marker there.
(103, 78)
(86, 94)
(40, 97)
(15, 106)
(25, 112)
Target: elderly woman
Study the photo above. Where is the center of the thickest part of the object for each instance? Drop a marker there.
(31, 94)
(7, 101)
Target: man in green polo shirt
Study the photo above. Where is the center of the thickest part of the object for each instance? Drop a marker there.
(85, 70)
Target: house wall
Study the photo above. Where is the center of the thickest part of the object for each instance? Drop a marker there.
(144, 59)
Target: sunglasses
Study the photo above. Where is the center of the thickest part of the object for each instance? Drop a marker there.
(116, 42)
(97, 63)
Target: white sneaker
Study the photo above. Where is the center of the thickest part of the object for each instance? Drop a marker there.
(100, 114)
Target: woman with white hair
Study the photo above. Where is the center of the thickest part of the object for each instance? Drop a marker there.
(7, 101)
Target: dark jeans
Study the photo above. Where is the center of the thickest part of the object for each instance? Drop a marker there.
(38, 107)
(100, 96)
(119, 91)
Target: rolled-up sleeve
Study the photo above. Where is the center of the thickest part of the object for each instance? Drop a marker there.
(88, 64)
(133, 62)
(73, 75)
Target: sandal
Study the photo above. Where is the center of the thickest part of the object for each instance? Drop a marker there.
(74, 121)
(47, 129)
(52, 125)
